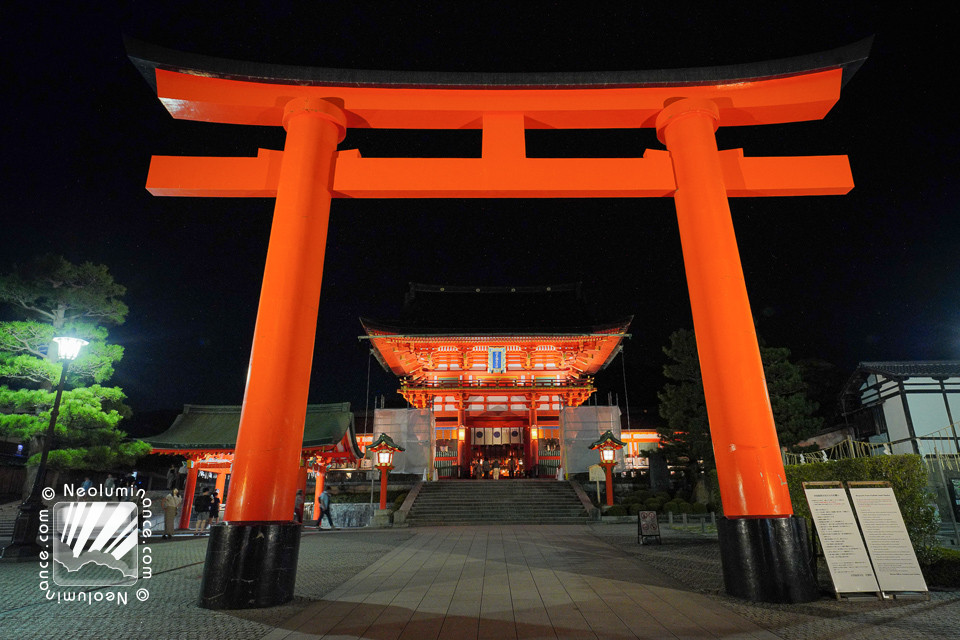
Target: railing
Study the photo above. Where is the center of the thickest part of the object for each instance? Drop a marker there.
(941, 444)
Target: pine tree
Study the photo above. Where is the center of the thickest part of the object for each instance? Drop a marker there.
(686, 436)
(54, 297)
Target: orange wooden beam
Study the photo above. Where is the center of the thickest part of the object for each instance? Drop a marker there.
(357, 177)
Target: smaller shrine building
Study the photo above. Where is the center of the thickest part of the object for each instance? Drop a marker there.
(207, 436)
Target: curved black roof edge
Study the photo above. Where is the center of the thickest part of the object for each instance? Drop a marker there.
(149, 57)
(392, 328)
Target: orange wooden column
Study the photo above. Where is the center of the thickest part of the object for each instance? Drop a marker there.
(188, 490)
(750, 470)
(266, 461)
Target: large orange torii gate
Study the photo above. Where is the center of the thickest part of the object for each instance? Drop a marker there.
(252, 557)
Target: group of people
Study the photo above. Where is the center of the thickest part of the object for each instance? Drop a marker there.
(207, 507)
(495, 468)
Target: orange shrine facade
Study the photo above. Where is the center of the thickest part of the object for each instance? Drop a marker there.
(496, 393)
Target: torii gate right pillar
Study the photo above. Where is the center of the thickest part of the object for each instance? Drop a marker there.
(759, 529)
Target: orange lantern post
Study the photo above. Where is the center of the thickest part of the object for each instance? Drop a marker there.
(383, 449)
(608, 445)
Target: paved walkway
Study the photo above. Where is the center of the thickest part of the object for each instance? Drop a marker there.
(522, 581)
(513, 582)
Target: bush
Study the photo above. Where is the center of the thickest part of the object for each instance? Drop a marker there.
(685, 507)
(653, 504)
(698, 508)
(634, 508)
(945, 572)
(663, 495)
(642, 495)
(398, 501)
(905, 473)
(615, 510)
(671, 507)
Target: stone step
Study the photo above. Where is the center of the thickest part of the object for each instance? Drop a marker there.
(512, 501)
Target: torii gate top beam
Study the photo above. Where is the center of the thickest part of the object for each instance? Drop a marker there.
(502, 105)
(211, 89)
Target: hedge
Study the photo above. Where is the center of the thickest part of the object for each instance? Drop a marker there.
(906, 475)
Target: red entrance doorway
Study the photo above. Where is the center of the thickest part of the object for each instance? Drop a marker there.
(505, 448)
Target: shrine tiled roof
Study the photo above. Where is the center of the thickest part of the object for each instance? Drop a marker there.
(202, 427)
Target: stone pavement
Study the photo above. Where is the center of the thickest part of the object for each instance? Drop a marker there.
(520, 581)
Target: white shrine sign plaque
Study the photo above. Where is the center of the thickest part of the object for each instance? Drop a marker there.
(887, 541)
(843, 548)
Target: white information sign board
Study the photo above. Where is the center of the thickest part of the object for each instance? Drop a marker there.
(843, 548)
(889, 545)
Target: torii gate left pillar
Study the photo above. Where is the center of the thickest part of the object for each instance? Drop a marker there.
(251, 559)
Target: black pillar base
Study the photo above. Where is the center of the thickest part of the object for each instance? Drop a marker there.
(250, 565)
(23, 546)
(767, 559)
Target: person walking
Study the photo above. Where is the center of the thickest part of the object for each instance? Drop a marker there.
(485, 468)
(298, 507)
(325, 509)
(201, 506)
(215, 508)
(170, 503)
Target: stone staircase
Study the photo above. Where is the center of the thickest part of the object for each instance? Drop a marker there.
(8, 516)
(458, 502)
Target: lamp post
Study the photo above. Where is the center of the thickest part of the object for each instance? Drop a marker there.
(608, 445)
(27, 526)
(383, 449)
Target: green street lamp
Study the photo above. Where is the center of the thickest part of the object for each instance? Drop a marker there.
(27, 526)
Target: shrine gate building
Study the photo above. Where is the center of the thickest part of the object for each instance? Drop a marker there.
(494, 373)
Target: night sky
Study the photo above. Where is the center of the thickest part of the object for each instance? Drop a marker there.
(873, 275)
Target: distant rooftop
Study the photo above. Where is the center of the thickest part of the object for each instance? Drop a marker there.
(912, 369)
(214, 428)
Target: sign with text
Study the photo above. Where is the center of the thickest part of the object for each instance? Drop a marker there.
(847, 558)
(496, 359)
(887, 541)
